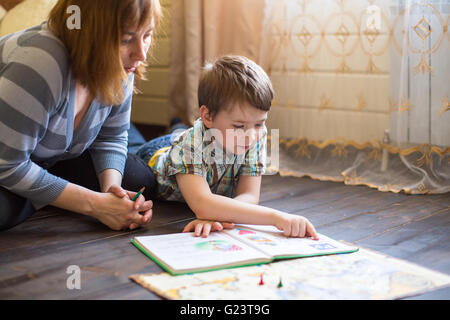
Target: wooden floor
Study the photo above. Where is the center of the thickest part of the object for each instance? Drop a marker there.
(35, 255)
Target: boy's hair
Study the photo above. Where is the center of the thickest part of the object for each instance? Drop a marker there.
(95, 48)
(234, 79)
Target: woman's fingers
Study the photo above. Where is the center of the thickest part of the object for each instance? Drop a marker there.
(117, 191)
(133, 226)
(143, 216)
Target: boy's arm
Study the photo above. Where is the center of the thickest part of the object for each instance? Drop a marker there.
(209, 206)
(248, 189)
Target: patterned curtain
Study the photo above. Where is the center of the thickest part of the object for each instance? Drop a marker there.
(362, 91)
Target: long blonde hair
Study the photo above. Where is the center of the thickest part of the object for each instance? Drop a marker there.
(94, 49)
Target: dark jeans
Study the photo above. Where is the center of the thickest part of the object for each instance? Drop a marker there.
(15, 209)
(148, 149)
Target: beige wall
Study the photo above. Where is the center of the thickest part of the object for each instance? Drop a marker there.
(151, 105)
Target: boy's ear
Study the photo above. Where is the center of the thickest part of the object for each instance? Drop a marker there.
(206, 116)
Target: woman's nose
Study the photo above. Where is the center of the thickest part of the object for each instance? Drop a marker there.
(140, 51)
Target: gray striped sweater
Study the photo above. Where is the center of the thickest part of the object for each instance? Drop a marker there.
(37, 93)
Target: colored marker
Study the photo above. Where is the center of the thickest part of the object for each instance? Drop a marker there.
(138, 194)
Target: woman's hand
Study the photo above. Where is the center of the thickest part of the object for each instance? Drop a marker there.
(206, 226)
(116, 210)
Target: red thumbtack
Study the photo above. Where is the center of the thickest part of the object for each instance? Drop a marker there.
(261, 282)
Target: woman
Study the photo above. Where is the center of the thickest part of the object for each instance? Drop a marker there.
(65, 98)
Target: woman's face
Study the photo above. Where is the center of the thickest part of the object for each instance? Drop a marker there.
(134, 46)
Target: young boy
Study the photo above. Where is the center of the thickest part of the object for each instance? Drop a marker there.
(216, 166)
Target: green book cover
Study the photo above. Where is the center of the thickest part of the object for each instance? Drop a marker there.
(181, 253)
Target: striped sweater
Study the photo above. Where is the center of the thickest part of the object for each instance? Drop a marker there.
(37, 95)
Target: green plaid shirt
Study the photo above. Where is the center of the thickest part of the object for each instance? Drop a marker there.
(195, 152)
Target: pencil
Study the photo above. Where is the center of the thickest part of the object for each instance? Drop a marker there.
(138, 194)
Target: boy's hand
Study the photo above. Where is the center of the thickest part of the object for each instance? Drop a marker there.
(295, 226)
(206, 226)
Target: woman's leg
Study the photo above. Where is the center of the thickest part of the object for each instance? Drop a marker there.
(148, 149)
(145, 150)
(14, 209)
(137, 174)
(135, 139)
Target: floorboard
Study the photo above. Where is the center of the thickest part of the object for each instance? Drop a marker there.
(35, 255)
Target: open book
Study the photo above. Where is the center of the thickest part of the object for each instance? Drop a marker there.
(245, 245)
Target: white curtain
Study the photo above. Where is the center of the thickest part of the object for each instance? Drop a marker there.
(362, 91)
(361, 86)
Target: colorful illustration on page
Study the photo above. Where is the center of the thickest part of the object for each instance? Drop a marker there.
(217, 245)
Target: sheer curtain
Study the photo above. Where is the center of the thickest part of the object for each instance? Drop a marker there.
(362, 91)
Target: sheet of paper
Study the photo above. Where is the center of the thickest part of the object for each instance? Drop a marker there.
(274, 243)
(361, 275)
(184, 251)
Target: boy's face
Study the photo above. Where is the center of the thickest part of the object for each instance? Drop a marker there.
(237, 127)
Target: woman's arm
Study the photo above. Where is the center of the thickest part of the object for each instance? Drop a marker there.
(32, 82)
(109, 149)
(108, 178)
(115, 212)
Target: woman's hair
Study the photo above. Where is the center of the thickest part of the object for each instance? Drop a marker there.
(94, 49)
(234, 79)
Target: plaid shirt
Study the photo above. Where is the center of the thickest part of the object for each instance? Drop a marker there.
(195, 152)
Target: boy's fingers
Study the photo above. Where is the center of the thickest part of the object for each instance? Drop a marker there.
(295, 229)
(188, 227)
(206, 230)
(287, 230)
(228, 225)
(311, 231)
(198, 229)
(217, 226)
(302, 229)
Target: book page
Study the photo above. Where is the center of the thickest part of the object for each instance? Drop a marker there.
(184, 251)
(272, 241)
